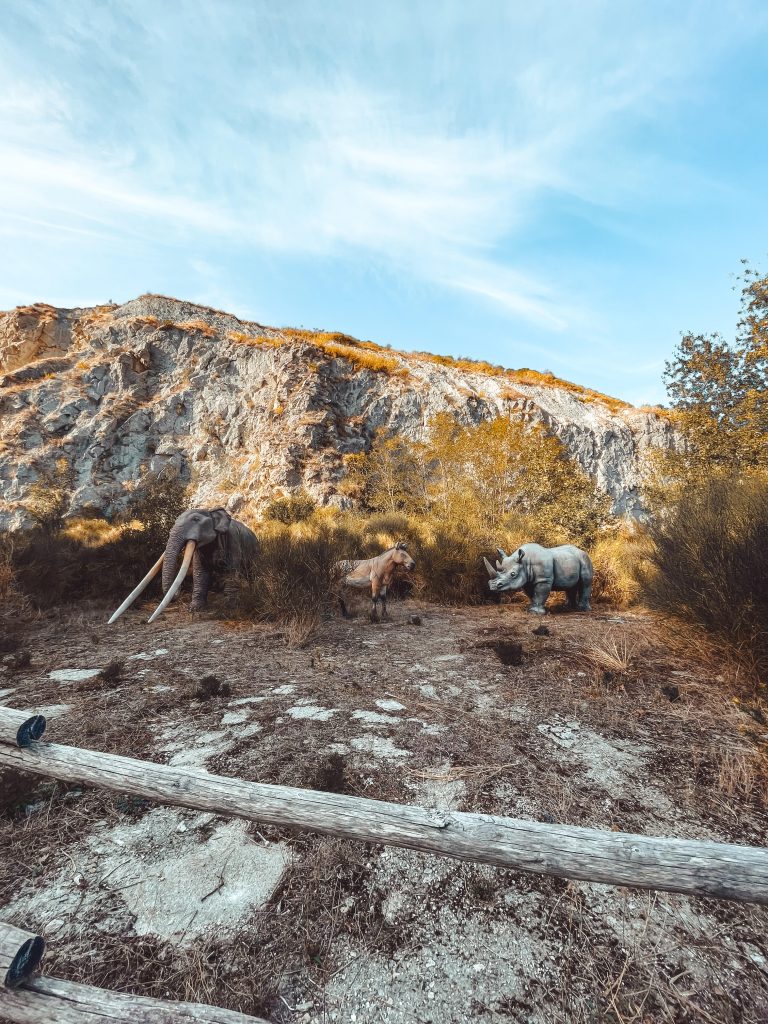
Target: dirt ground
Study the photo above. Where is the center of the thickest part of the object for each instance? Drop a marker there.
(600, 720)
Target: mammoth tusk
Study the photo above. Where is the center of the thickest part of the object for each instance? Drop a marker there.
(189, 550)
(135, 593)
(491, 571)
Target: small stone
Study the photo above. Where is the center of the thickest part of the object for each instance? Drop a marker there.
(671, 692)
(541, 631)
(415, 620)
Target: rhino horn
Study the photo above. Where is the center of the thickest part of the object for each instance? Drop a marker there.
(491, 571)
(502, 553)
(499, 565)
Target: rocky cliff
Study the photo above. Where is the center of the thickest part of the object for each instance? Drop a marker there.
(247, 412)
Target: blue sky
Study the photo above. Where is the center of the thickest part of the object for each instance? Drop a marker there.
(564, 186)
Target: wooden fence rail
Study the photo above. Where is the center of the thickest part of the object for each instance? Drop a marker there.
(42, 1000)
(617, 858)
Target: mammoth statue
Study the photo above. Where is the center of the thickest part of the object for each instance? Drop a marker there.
(212, 542)
(538, 571)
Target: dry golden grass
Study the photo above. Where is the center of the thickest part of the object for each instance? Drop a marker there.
(301, 627)
(619, 558)
(363, 355)
(613, 652)
(197, 325)
(523, 376)
(13, 602)
(742, 774)
(92, 532)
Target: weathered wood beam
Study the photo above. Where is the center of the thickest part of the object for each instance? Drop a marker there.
(20, 954)
(617, 858)
(44, 1000)
(19, 728)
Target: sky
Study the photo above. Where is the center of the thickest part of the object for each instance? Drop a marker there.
(562, 186)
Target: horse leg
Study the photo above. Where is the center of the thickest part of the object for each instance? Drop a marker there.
(375, 587)
(383, 596)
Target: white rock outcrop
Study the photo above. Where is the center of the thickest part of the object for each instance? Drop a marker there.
(247, 412)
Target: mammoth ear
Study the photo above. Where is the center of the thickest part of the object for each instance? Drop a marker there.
(221, 519)
(502, 553)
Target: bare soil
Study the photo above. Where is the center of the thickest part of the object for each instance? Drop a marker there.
(601, 720)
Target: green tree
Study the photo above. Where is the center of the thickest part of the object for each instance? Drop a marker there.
(389, 477)
(502, 472)
(497, 474)
(719, 394)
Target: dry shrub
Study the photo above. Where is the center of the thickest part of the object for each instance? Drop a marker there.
(13, 601)
(710, 564)
(291, 509)
(615, 653)
(201, 326)
(91, 531)
(449, 565)
(619, 559)
(742, 774)
(93, 558)
(291, 580)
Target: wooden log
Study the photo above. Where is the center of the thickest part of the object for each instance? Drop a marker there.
(617, 858)
(20, 954)
(51, 1001)
(19, 727)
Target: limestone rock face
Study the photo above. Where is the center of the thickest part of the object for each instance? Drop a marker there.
(247, 413)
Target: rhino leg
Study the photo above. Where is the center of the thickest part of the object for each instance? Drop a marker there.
(574, 595)
(585, 594)
(541, 592)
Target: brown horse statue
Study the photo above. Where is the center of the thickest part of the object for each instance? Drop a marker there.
(375, 573)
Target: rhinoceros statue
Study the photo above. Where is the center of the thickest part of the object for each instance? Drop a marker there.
(538, 571)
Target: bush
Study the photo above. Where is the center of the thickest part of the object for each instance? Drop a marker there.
(91, 557)
(619, 559)
(154, 507)
(294, 508)
(49, 498)
(449, 565)
(291, 580)
(710, 564)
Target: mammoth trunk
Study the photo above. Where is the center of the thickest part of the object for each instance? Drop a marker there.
(173, 548)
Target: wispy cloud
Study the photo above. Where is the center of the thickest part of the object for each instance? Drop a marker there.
(424, 145)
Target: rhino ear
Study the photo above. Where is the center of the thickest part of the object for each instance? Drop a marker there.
(520, 555)
(502, 553)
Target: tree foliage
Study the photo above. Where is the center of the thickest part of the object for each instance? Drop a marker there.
(719, 393)
(49, 497)
(498, 474)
